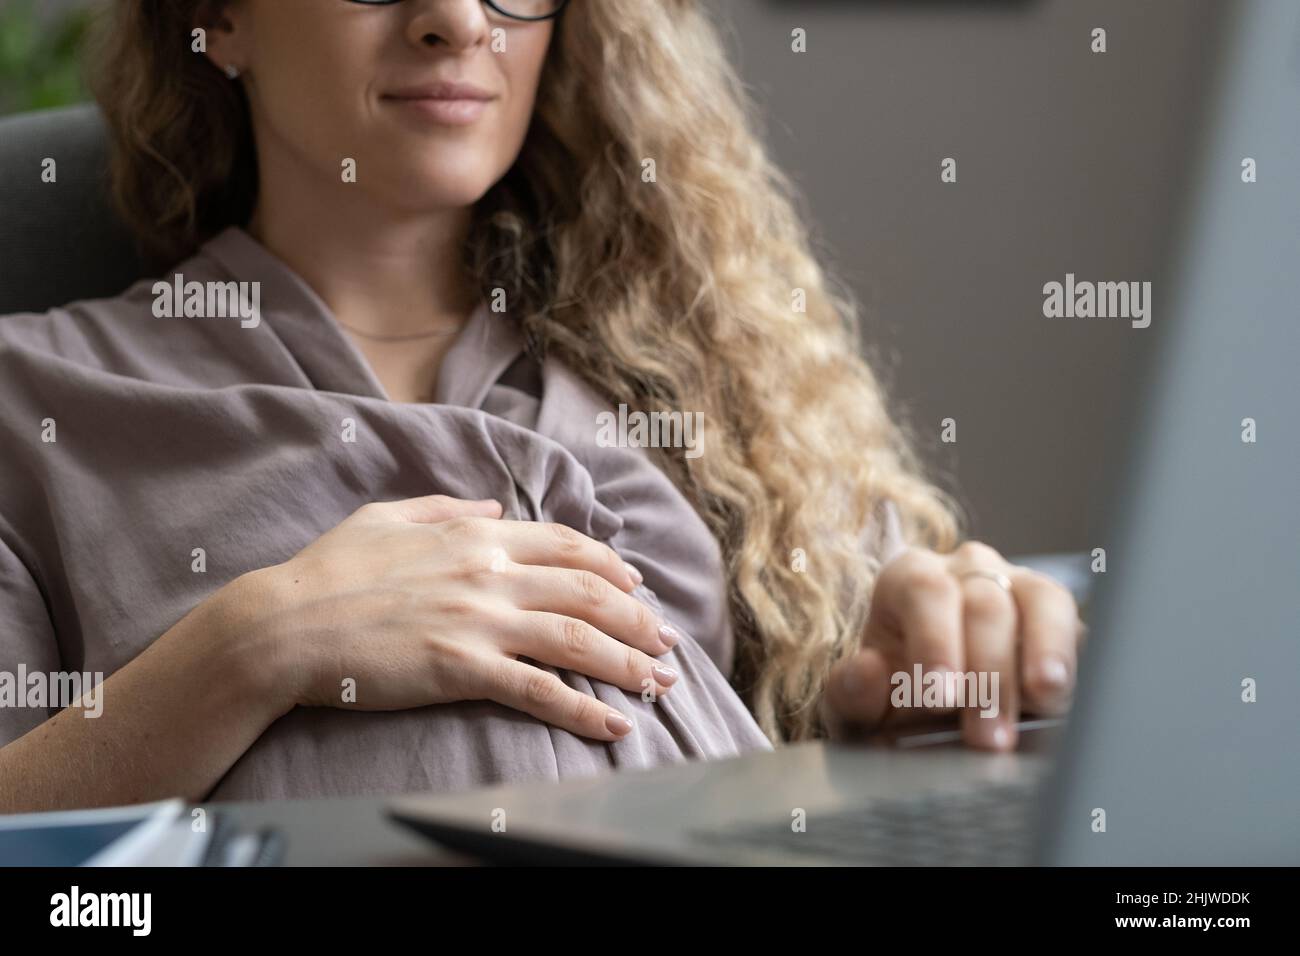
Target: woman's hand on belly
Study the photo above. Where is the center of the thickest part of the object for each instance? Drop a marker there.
(433, 600)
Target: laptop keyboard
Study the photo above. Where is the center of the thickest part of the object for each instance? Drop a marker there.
(986, 827)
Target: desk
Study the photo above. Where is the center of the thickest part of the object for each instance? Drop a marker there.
(342, 831)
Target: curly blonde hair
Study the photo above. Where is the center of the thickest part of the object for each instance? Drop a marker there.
(695, 290)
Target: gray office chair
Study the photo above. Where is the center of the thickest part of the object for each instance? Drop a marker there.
(60, 241)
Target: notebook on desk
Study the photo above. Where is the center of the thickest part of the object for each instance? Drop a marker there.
(153, 834)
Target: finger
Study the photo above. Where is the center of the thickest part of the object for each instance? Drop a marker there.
(858, 689)
(548, 544)
(917, 604)
(1049, 637)
(989, 618)
(591, 598)
(543, 695)
(434, 508)
(573, 644)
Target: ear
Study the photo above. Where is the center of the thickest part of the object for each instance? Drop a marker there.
(224, 34)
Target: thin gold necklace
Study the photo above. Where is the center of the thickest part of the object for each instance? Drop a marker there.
(397, 338)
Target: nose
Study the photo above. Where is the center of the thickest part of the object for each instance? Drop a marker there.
(460, 24)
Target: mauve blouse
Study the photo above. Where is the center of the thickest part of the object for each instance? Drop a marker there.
(173, 434)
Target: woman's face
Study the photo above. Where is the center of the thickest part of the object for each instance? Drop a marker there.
(335, 80)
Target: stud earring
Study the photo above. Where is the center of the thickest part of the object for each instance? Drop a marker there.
(232, 71)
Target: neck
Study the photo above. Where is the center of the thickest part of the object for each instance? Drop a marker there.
(385, 272)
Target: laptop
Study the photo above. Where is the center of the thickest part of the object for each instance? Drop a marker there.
(1181, 748)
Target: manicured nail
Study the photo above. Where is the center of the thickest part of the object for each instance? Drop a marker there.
(665, 675)
(617, 724)
(636, 576)
(668, 635)
(1054, 672)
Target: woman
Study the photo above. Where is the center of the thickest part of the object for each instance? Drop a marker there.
(330, 502)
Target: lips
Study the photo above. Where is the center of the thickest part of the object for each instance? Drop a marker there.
(452, 91)
(444, 103)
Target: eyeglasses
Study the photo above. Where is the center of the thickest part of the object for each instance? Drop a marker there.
(514, 9)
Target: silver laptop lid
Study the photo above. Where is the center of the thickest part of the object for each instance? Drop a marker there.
(1199, 608)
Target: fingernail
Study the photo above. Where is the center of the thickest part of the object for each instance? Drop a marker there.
(633, 573)
(666, 675)
(1054, 672)
(668, 635)
(1001, 737)
(617, 724)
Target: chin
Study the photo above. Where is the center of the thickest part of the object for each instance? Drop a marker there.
(430, 192)
(432, 197)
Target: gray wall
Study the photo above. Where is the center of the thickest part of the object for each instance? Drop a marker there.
(1068, 161)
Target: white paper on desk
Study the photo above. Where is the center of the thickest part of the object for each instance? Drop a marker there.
(178, 845)
(131, 849)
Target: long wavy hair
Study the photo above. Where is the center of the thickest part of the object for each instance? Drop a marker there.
(695, 289)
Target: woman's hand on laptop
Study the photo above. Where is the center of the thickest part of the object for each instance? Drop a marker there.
(432, 600)
(964, 634)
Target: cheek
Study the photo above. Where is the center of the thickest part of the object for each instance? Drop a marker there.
(512, 127)
(523, 70)
(310, 94)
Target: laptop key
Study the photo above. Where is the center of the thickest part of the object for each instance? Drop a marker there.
(989, 826)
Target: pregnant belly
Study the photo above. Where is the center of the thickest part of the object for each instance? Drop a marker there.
(319, 752)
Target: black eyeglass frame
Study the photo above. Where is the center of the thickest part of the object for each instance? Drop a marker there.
(491, 3)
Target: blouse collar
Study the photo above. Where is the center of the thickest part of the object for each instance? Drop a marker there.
(484, 347)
